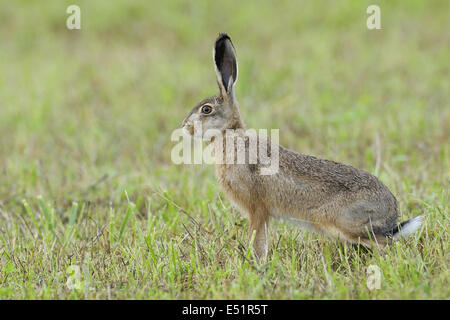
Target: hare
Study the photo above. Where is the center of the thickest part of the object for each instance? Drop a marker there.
(319, 195)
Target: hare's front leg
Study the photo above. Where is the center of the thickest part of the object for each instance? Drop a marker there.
(259, 224)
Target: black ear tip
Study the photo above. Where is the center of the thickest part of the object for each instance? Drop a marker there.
(222, 37)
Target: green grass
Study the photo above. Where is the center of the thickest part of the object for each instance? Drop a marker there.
(85, 121)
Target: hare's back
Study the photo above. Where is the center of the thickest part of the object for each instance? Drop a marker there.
(328, 174)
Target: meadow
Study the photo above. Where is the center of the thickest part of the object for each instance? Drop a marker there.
(92, 207)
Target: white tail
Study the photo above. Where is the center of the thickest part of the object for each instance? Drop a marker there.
(407, 228)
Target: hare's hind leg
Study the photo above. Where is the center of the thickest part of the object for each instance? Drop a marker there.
(367, 222)
(368, 238)
(370, 241)
(259, 226)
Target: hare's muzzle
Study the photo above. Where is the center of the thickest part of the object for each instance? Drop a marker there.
(187, 127)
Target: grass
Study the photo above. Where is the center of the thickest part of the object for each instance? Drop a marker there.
(86, 181)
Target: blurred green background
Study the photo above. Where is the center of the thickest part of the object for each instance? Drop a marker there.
(87, 114)
(77, 104)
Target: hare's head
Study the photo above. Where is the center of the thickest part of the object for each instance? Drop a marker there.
(219, 112)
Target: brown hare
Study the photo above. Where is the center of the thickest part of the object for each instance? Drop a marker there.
(320, 195)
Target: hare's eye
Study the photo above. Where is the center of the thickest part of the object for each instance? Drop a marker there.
(206, 109)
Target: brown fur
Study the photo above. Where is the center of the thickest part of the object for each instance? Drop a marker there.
(319, 195)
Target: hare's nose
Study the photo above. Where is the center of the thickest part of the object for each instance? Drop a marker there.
(185, 122)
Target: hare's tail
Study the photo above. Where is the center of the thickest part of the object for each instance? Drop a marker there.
(406, 228)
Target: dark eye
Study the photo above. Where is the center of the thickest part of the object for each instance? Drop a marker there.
(206, 109)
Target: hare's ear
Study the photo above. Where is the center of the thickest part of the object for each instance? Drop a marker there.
(225, 63)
